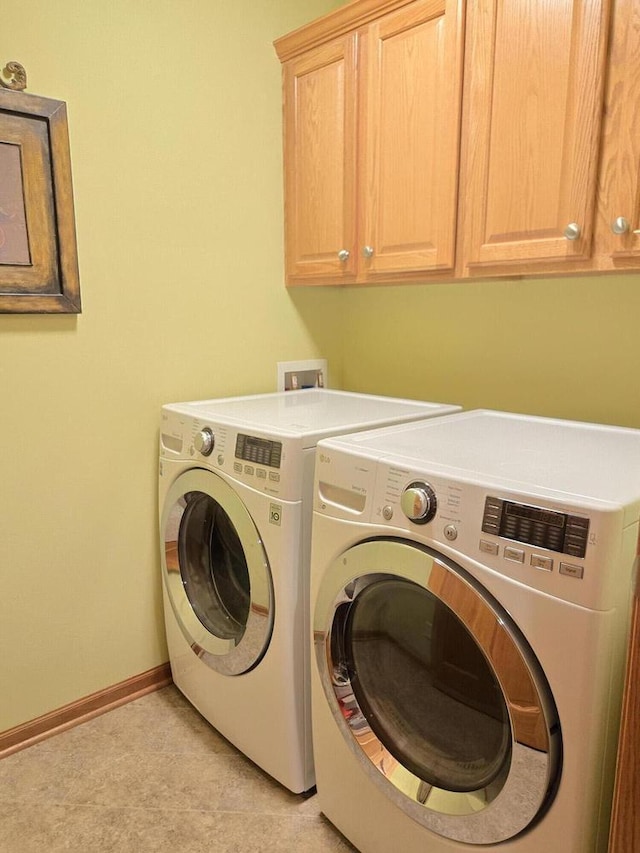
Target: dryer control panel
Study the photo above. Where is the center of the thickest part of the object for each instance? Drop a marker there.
(262, 451)
(532, 525)
(274, 465)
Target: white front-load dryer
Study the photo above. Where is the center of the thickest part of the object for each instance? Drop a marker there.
(471, 579)
(235, 499)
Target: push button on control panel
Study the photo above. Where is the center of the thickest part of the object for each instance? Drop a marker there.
(575, 541)
(538, 561)
(516, 555)
(492, 516)
(451, 532)
(571, 571)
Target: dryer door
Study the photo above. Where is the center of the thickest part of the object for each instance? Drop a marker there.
(216, 572)
(436, 691)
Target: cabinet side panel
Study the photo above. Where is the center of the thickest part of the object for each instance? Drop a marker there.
(625, 821)
(619, 184)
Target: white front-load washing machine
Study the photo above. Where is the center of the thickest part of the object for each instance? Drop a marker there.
(235, 500)
(471, 580)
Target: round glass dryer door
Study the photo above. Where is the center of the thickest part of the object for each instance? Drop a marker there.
(216, 572)
(436, 692)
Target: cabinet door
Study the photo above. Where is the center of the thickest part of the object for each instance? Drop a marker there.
(412, 61)
(535, 73)
(320, 139)
(618, 237)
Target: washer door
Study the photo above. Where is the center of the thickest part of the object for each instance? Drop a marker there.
(436, 691)
(216, 572)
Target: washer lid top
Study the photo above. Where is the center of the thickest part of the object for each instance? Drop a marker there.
(538, 455)
(310, 414)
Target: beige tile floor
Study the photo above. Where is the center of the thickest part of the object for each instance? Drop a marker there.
(151, 776)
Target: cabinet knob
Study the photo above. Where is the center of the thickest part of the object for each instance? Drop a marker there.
(367, 251)
(343, 255)
(620, 225)
(572, 231)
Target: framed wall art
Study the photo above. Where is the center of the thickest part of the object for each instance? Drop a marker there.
(38, 253)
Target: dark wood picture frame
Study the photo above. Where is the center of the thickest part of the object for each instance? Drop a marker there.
(38, 251)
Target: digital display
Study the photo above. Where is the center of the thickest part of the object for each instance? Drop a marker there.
(533, 513)
(260, 451)
(533, 525)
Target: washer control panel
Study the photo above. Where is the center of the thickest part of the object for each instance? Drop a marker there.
(555, 543)
(531, 525)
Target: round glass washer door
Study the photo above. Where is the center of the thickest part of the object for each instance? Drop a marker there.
(216, 572)
(436, 692)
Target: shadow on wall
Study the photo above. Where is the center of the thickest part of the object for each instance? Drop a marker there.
(554, 347)
(322, 310)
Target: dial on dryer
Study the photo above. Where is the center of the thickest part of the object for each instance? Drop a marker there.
(418, 502)
(204, 441)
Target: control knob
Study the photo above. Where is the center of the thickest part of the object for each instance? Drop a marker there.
(204, 441)
(418, 502)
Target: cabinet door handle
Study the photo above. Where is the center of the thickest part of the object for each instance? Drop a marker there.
(343, 255)
(367, 251)
(620, 225)
(572, 231)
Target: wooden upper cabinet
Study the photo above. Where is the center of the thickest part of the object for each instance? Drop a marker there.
(618, 229)
(412, 76)
(372, 122)
(534, 77)
(444, 139)
(319, 154)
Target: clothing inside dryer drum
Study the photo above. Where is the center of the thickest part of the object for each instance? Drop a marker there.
(425, 687)
(213, 567)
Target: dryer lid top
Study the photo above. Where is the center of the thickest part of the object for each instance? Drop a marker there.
(310, 414)
(534, 454)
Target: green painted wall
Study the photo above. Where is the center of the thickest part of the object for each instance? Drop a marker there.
(175, 125)
(560, 347)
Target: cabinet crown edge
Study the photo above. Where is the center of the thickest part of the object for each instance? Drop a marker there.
(340, 21)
